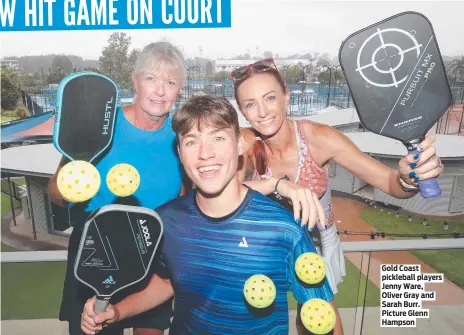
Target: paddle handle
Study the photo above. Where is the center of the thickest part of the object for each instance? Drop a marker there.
(101, 304)
(429, 188)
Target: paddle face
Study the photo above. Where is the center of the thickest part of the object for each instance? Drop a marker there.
(86, 110)
(398, 81)
(396, 76)
(117, 247)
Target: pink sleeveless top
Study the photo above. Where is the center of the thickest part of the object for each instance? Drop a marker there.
(309, 174)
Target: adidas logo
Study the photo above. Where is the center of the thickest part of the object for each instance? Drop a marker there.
(244, 243)
(109, 280)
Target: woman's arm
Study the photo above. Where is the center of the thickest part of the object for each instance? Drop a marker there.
(306, 205)
(340, 148)
(53, 193)
(348, 155)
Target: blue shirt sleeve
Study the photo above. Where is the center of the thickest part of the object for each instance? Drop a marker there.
(302, 291)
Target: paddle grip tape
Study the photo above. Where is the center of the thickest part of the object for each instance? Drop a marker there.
(100, 305)
(429, 188)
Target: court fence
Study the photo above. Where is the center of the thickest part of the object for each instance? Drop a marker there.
(305, 99)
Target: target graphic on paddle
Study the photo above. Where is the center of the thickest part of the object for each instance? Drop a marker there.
(397, 80)
(386, 52)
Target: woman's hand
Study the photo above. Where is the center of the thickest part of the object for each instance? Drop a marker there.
(306, 205)
(425, 164)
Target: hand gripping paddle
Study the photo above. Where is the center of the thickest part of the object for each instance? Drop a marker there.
(116, 250)
(398, 81)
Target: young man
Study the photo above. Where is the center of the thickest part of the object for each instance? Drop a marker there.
(216, 237)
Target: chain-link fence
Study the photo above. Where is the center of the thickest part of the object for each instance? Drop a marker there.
(452, 121)
(305, 99)
(39, 103)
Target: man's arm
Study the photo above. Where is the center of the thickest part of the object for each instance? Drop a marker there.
(158, 291)
(53, 192)
(303, 293)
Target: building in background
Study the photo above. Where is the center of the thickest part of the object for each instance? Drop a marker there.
(230, 64)
(12, 64)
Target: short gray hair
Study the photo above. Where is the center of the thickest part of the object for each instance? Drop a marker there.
(160, 54)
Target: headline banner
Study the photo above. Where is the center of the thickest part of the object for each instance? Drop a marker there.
(47, 15)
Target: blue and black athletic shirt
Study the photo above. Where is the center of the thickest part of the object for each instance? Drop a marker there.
(208, 261)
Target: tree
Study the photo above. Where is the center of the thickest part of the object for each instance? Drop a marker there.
(209, 67)
(459, 61)
(114, 61)
(323, 60)
(63, 63)
(32, 79)
(11, 88)
(133, 58)
(323, 76)
(307, 56)
(246, 56)
(457, 70)
(294, 74)
(189, 62)
(218, 76)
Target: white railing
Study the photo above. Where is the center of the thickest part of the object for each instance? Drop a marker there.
(354, 319)
(358, 246)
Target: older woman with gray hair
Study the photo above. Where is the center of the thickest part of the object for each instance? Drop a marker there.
(143, 137)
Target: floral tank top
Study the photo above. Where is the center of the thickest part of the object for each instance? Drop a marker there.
(309, 174)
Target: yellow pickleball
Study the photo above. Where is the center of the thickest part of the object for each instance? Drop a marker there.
(318, 316)
(310, 268)
(123, 180)
(259, 291)
(78, 181)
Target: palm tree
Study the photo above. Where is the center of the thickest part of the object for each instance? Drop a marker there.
(459, 61)
(456, 70)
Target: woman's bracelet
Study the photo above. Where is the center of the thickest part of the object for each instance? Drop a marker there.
(276, 193)
(407, 187)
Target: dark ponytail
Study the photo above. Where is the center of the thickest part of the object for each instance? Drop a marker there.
(259, 153)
